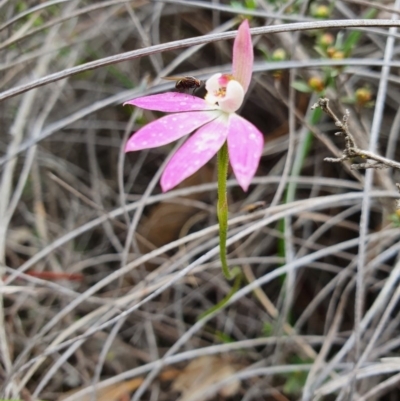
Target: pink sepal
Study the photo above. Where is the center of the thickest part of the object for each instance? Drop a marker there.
(168, 129)
(243, 57)
(195, 153)
(245, 146)
(171, 102)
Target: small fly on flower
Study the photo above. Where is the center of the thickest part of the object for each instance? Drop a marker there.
(185, 83)
(253, 207)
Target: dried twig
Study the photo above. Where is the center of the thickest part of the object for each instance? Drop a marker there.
(352, 150)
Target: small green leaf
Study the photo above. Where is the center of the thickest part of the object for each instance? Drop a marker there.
(354, 36)
(264, 52)
(320, 51)
(301, 86)
(267, 329)
(395, 219)
(296, 380)
(250, 4)
(247, 4)
(236, 4)
(224, 338)
(295, 383)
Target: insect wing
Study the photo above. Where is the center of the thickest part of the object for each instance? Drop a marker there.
(173, 78)
(185, 82)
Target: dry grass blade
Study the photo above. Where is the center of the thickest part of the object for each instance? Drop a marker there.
(108, 286)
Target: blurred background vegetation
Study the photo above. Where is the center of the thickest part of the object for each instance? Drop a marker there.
(95, 302)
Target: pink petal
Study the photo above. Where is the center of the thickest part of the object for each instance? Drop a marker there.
(168, 129)
(245, 145)
(195, 152)
(243, 56)
(171, 102)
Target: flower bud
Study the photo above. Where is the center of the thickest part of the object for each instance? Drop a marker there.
(320, 11)
(330, 51)
(316, 84)
(279, 55)
(338, 55)
(326, 40)
(363, 96)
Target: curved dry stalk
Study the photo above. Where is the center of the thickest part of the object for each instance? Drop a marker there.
(301, 26)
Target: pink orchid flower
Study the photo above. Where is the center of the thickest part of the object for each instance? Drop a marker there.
(214, 118)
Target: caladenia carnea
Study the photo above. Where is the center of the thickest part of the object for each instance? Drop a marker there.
(218, 129)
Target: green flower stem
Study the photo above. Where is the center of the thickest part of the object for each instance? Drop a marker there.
(224, 301)
(222, 211)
